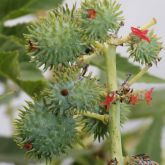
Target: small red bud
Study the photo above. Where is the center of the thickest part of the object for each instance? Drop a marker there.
(64, 92)
(91, 13)
(28, 146)
(148, 96)
(133, 99)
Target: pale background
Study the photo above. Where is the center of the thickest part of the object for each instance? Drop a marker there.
(137, 13)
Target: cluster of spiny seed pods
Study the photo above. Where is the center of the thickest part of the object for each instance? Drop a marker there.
(50, 125)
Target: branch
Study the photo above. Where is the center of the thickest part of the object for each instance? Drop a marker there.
(103, 118)
(120, 41)
(93, 59)
(139, 75)
(87, 58)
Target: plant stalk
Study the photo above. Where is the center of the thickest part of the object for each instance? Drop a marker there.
(103, 118)
(139, 75)
(114, 112)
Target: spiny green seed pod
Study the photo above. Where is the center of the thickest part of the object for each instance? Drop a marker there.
(144, 52)
(99, 129)
(99, 18)
(63, 74)
(75, 95)
(42, 133)
(56, 39)
(96, 127)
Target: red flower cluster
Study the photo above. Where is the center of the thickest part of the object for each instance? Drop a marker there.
(133, 98)
(108, 100)
(141, 34)
(148, 96)
(91, 13)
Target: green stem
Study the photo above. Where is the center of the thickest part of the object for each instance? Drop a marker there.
(139, 75)
(114, 112)
(103, 118)
(93, 59)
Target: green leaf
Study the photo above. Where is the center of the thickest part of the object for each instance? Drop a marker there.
(124, 67)
(21, 8)
(8, 6)
(17, 30)
(34, 5)
(151, 141)
(143, 110)
(2, 79)
(12, 43)
(29, 72)
(10, 9)
(10, 67)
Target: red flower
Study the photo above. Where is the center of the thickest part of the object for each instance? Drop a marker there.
(108, 100)
(141, 34)
(91, 13)
(148, 96)
(133, 99)
(28, 146)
